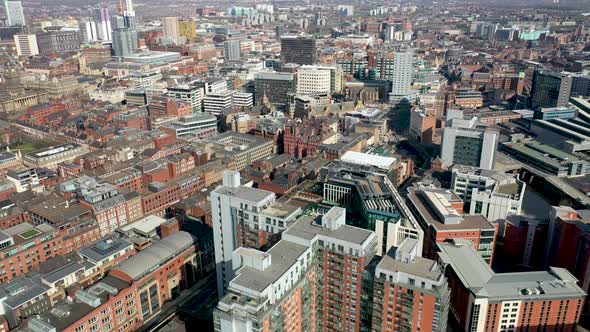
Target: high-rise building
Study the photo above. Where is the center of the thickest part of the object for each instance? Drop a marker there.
(410, 292)
(314, 79)
(403, 68)
(171, 28)
(56, 41)
(299, 49)
(14, 12)
(311, 280)
(103, 24)
(124, 36)
(88, 30)
(467, 142)
(569, 242)
(483, 300)
(550, 89)
(273, 87)
(231, 50)
(494, 195)
(26, 44)
(244, 216)
(188, 29)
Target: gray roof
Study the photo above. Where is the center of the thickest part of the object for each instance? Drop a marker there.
(22, 290)
(419, 267)
(139, 265)
(477, 276)
(245, 193)
(103, 249)
(283, 255)
(62, 272)
(308, 227)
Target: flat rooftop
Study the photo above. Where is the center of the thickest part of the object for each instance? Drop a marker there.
(419, 266)
(481, 280)
(308, 227)
(280, 210)
(245, 193)
(475, 222)
(284, 255)
(360, 158)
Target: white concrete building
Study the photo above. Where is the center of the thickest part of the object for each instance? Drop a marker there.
(314, 79)
(214, 103)
(26, 44)
(236, 208)
(468, 142)
(495, 195)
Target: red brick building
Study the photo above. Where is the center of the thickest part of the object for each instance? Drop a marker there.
(440, 213)
(483, 300)
(304, 139)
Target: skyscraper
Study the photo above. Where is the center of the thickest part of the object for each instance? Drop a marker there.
(298, 49)
(188, 29)
(14, 12)
(171, 28)
(124, 36)
(402, 77)
(247, 217)
(311, 280)
(88, 30)
(410, 292)
(467, 142)
(231, 50)
(103, 24)
(26, 44)
(550, 89)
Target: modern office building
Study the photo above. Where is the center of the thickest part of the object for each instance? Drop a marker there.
(552, 113)
(371, 201)
(103, 24)
(189, 93)
(26, 44)
(483, 300)
(198, 125)
(299, 49)
(124, 36)
(14, 13)
(317, 79)
(58, 41)
(467, 142)
(553, 89)
(494, 195)
(214, 103)
(188, 29)
(310, 280)
(88, 30)
(440, 214)
(242, 99)
(171, 28)
(240, 149)
(244, 217)
(273, 87)
(231, 50)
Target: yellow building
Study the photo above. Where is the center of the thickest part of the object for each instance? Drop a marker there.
(188, 29)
